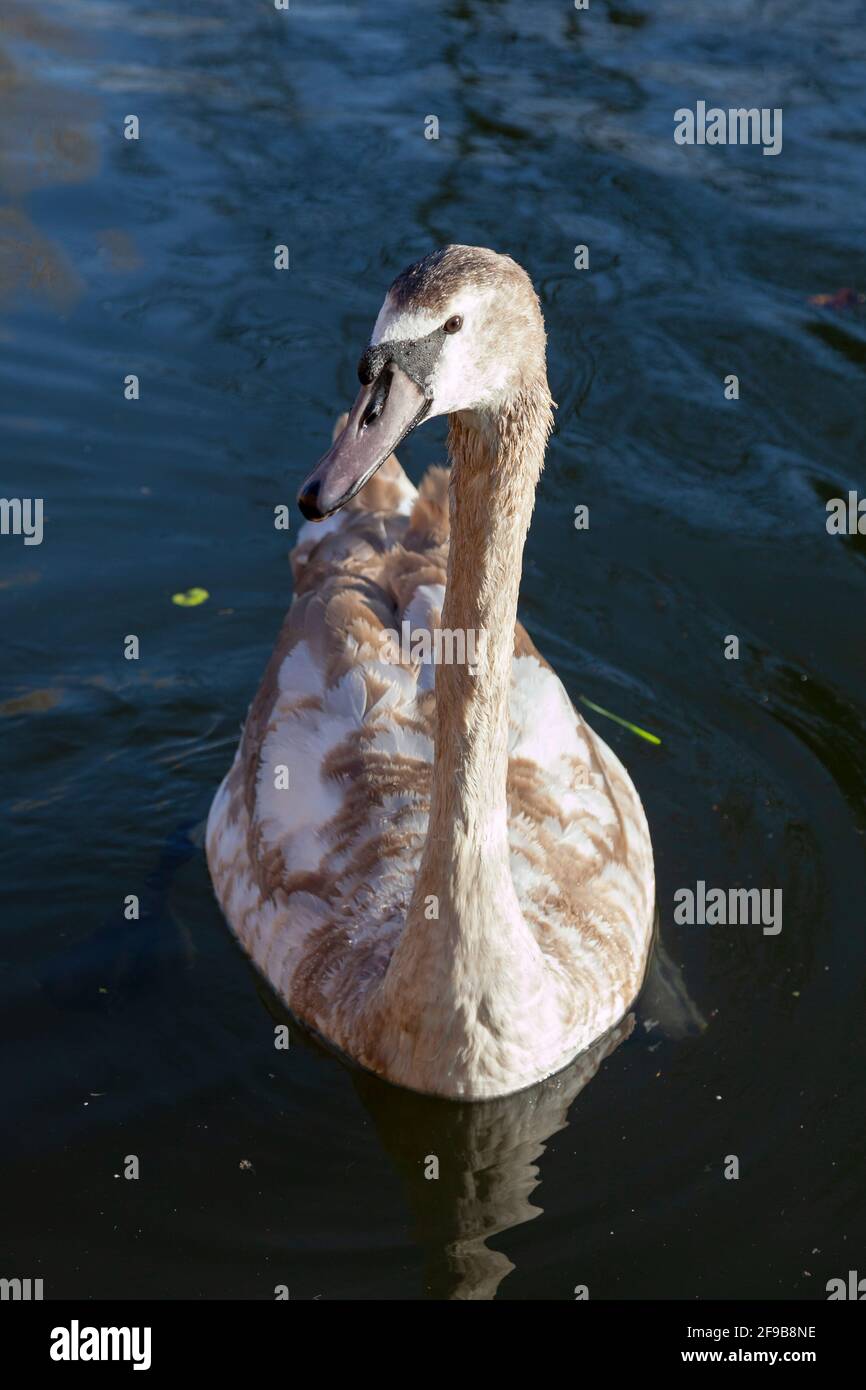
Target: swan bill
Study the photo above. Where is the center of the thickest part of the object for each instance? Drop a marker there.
(385, 411)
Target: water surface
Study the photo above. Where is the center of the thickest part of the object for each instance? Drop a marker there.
(155, 258)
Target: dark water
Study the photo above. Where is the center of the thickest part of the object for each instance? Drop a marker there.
(707, 518)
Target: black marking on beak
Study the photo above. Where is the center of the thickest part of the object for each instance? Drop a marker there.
(415, 356)
(308, 500)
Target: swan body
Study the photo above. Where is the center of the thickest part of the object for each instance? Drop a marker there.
(438, 865)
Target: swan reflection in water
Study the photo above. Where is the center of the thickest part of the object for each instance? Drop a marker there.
(487, 1151)
(488, 1154)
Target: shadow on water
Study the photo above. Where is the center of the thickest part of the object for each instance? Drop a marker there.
(487, 1158)
(469, 1169)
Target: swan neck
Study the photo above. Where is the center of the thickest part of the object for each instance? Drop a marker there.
(496, 461)
(467, 967)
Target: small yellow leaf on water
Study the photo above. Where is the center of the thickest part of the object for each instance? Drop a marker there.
(191, 599)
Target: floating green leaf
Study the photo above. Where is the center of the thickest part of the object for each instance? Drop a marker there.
(191, 599)
(641, 733)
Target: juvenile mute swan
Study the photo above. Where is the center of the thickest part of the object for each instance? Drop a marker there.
(439, 866)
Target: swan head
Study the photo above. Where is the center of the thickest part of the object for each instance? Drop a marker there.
(460, 333)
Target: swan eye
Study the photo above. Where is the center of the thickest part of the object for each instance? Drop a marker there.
(454, 324)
